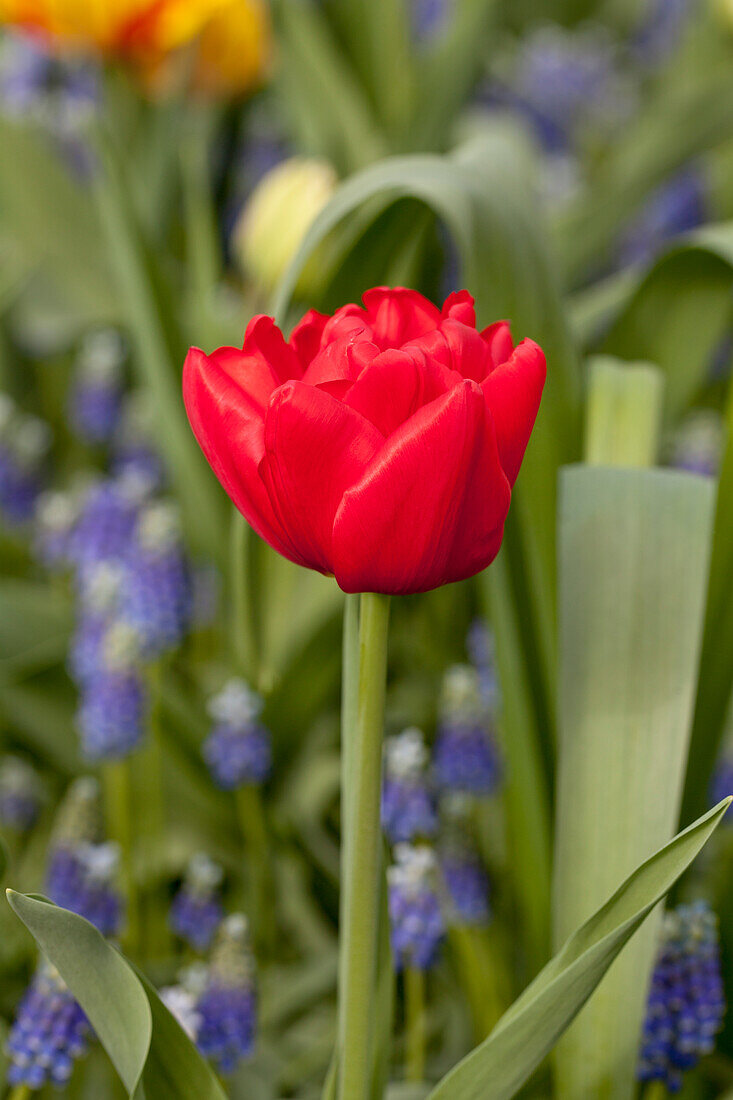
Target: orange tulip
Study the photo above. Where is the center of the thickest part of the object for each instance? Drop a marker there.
(233, 34)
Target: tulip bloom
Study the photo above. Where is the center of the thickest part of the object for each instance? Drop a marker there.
(380, 444)
(233, 34)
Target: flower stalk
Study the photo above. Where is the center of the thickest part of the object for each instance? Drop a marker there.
(414, 1024)
(362, 848)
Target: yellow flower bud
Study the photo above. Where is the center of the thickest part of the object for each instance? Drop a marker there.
(277, 216)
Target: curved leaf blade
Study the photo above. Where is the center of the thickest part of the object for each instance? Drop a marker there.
(146, 1045)
(497, 1068)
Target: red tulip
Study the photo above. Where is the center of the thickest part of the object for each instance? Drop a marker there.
(379, 444)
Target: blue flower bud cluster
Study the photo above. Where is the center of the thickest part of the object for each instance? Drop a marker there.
(466, 756)
(238, 750)
(409, 805)
(20, 794)
(215, 1002)
(50, 1032)
(686, 1001)
(415, 913)
(24, 444)
(134, 599)
(197, 911)
(464, 878)
(95, 398)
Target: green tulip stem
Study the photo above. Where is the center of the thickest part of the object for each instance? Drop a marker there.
(20, 1092)
(362, 848)
(119, 816)
(414, 1024)
(251, 815)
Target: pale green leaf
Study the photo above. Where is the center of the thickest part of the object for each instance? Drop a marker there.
(634, 554)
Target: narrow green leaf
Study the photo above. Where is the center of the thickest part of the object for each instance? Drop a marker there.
(151, 1053)
(497, 1068)
(634, 554)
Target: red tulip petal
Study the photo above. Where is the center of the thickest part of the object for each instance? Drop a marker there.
(513, 393)
(498, 339)
(346, 321)
(460, 306)
(395, 385)
(306, 337)
(430, 508)
(315, 448)
(397, 315)
(263, 340)
(343, 360)
(228, 422)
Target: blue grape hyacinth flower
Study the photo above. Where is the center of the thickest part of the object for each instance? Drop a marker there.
(49, 1034)
(465, 881)
(95, 398)
(409, 809)
(238, 750)
(106, 522)
(156, 593)
(113, 706)
(133, 451)
(465, 757)
(567, 84)
(227, 1006)
(416, 918)
(81, 877)
(20, 794)
(24, 444)
(56, 513)
(686, 1000)
(197, 912)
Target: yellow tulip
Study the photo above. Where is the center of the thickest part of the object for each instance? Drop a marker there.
(234, 48)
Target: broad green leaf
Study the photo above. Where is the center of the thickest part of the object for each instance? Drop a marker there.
(147, 1047)
(634, 554)
(497, 1068)
(676, 318)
